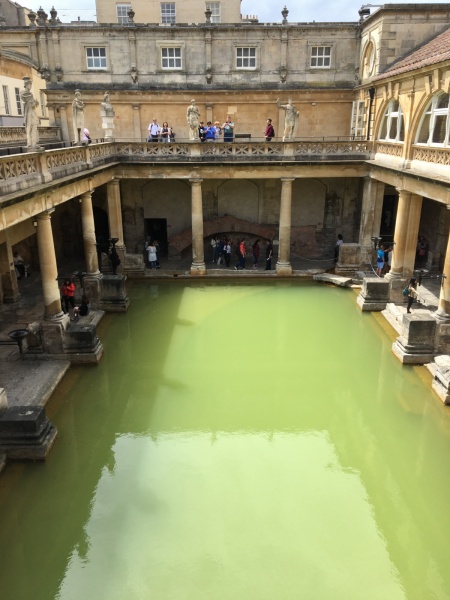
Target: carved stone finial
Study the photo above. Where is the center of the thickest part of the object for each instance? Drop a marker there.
(131, 14)
(2, 20)
(284, 14)
(134, 73)
(208, 14)
(32, 18)
(53, 15)
(41, 16)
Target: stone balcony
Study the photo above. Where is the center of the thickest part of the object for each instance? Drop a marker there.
(25, 171)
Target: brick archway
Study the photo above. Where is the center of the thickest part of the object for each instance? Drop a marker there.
(226, 224)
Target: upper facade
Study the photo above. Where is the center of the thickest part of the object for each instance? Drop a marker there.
(168, 13)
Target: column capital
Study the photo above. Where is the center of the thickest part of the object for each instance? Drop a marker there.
(284, 179)
(46, 215)
(115, 181)
(196, 180)
(87, 195)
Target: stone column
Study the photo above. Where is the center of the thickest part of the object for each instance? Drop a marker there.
(64, 125)
(87, 221)
(283, 266)
(400, 235)
(415, 207)
(443, 311)
(372, 206)
(115, 217)
(198, 266)
(9, 284)
(49, 270)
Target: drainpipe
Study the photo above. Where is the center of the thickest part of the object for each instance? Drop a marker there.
(371, 92)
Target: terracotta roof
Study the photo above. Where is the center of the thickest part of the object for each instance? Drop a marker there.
(434, 51)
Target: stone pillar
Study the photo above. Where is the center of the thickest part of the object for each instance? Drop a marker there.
(49, 270)
(417, 343)
(372, 207)
(400, 235)
(137, 122)
(198, 266)
(283, 266)
(9, 284)
(115, 216)
(415, 207)
(87, 221)
(64, 125)
(443, 311)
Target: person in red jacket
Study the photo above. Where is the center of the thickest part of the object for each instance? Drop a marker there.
(269, 133)
(67, 295)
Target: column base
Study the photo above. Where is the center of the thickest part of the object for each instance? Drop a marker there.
(283, 268)
(26, 433)
(442, 317)
(113, 294)
(198, 269)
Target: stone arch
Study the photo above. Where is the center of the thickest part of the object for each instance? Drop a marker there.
(169, 200)
(239, 198)
(19, 57)
(417, 119)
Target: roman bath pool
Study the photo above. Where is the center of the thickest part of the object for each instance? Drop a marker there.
(238, 441)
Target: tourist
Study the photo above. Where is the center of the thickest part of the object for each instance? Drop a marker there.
(151, 251)
(412, 293)
(156, 244)
(228, 253)
(68, 295)
(153, 131)
(201, 131)
(19, 265)
(380, 261)
(337, 247)
(255, 249)
(269, 133)
(114, 259)
(83, 309)
(241, 252)
(166, 132)
(213, 248)
(221, 251)
(269, 253)
(387, 259)
(421, 253)
(86, 136)
(210, 132)
(218, 129)
(228, 130)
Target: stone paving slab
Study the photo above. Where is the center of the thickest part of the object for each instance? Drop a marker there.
(333, 279)
(31, 382)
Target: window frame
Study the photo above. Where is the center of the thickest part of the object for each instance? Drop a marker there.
(6, 101)
(358, 120)
(171, 44)
(18, 101)
(251, 48)
(166, 18)
(433, 112)
(121, 19)
(215, 18)
(318, 57)
(87, 58)
(389, 116)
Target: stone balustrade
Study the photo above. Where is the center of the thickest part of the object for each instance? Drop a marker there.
(22, 171)
(16, 136)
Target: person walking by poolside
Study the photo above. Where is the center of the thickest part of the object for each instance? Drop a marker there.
(256, 251)
(269, 132)
(337, 247)
(166, 132)
(153, 131)
(152, 258)
(269, 253)
(380, 261)
(228, 253)
(158, 252)
(412, 293)
(68, 295)
(242, 253)
(213, 248)
(228, 130)
(221, 252)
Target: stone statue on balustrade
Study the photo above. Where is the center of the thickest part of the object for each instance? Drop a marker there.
(78, 116)
(290, 118)
(30, 115)
(193, 116)
(107, 115)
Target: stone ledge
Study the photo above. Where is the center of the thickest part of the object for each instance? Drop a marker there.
(333, 279)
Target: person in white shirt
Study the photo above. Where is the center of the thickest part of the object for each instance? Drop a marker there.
(153, 131)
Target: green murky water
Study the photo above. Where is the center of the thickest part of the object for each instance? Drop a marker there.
(244, 442)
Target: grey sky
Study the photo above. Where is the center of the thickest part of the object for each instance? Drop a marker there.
(268, 11)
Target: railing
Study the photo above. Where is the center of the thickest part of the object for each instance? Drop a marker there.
(22, 171)
(438, 156)
(16, 136)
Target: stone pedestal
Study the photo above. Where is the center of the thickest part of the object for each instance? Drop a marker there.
(52, 335)
(92, 287)
(133, 265)
(441, 382)
(108, 126)
(82, 345)
(374, 295)
(113, 293)
(26, 433)
(397, 285)
(349, 260)
(417, 344)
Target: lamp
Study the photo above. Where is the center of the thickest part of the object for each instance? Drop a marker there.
(35, 222)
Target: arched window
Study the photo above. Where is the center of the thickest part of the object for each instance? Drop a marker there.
(392, 126)
(435, 124)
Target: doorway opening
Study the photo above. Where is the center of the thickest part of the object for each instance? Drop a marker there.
(156, 229)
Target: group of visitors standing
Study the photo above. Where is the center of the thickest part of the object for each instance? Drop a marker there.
(222, 249)
(206, 133)
(152, 251)
(384, 259)
(68, 300)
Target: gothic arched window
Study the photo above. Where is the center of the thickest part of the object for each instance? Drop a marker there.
(392, 126)
(434, 127)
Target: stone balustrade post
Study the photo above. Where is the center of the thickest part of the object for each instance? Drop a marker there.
(198, 266)
(284, 266)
